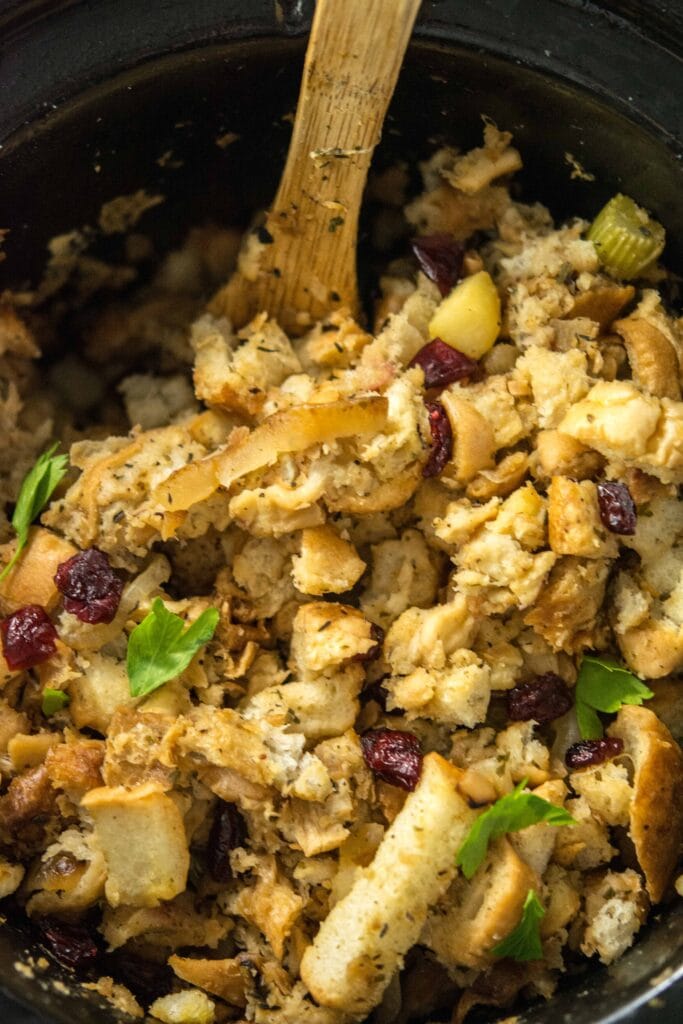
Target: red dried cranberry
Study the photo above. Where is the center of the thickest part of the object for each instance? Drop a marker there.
(442, 364)
(72, 945)
(91, 588)
(228, 831)
(393, 756)
(442, 440)
(146, 979)
(376, 634)
(440, 258)
(617, 507)
(590, 752)
(28, 637)
(541, 700)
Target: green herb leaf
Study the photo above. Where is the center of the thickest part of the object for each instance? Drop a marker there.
(515, 811)
(603, 685)
(53, 701)
(159, 650)
(524, 942)
(38, 485)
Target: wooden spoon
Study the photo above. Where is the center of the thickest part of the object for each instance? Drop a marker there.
(301, 264)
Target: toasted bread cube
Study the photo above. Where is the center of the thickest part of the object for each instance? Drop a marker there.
(480, 913)
(142, 836)
(327, 635)
(364, 938)
(98, 691)
(327, 564)
(574, 524)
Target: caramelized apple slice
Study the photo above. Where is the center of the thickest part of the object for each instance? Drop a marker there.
(292, 430)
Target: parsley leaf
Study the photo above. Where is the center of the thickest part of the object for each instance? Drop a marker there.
(515, 811)
(159, 649)
(53, 701)
(603, 685)
(524, 942)
(38, 485)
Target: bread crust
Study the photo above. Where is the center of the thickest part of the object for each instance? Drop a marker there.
(656, 821)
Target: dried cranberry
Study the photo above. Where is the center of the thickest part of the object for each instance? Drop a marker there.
(72, 945)
(28, 637)
(442, 364)
(393, 756)
(442, 440)
(542, 700)
(617, 507)
(440, 258)
(227, 832)
(589, 752)
(146, 979)
(376, 634)
(91, 588)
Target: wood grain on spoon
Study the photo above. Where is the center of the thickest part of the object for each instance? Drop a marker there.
(309, 268)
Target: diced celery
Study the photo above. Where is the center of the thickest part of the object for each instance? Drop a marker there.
(627, 239)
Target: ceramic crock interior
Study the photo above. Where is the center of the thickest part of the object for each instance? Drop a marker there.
(111, 139)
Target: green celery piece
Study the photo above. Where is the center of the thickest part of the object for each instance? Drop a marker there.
(627, 240)
(53, 701)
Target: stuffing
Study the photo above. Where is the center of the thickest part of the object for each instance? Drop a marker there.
(337, 341)
(560, 455)
(403, 574)
(326, 563)
(271, 905)
(615, 908)
(68, 878)
(477, 914)
(170, 925)
(383, 569)
(235, 372)
(574, 524)
(631, 427)
(367, 933)
(499, 762)
(655, 814)
(318, 708)
(327, 635)
(607, 791)
(499, 568)
(584, 845)
(566, 613)
(104, 507)
(556, 380)
(647, 608)
(154, 401)
(458, 694)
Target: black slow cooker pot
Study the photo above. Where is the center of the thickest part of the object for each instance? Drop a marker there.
(96, 92)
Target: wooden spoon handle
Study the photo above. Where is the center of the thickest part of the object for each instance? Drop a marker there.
(352, 63)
